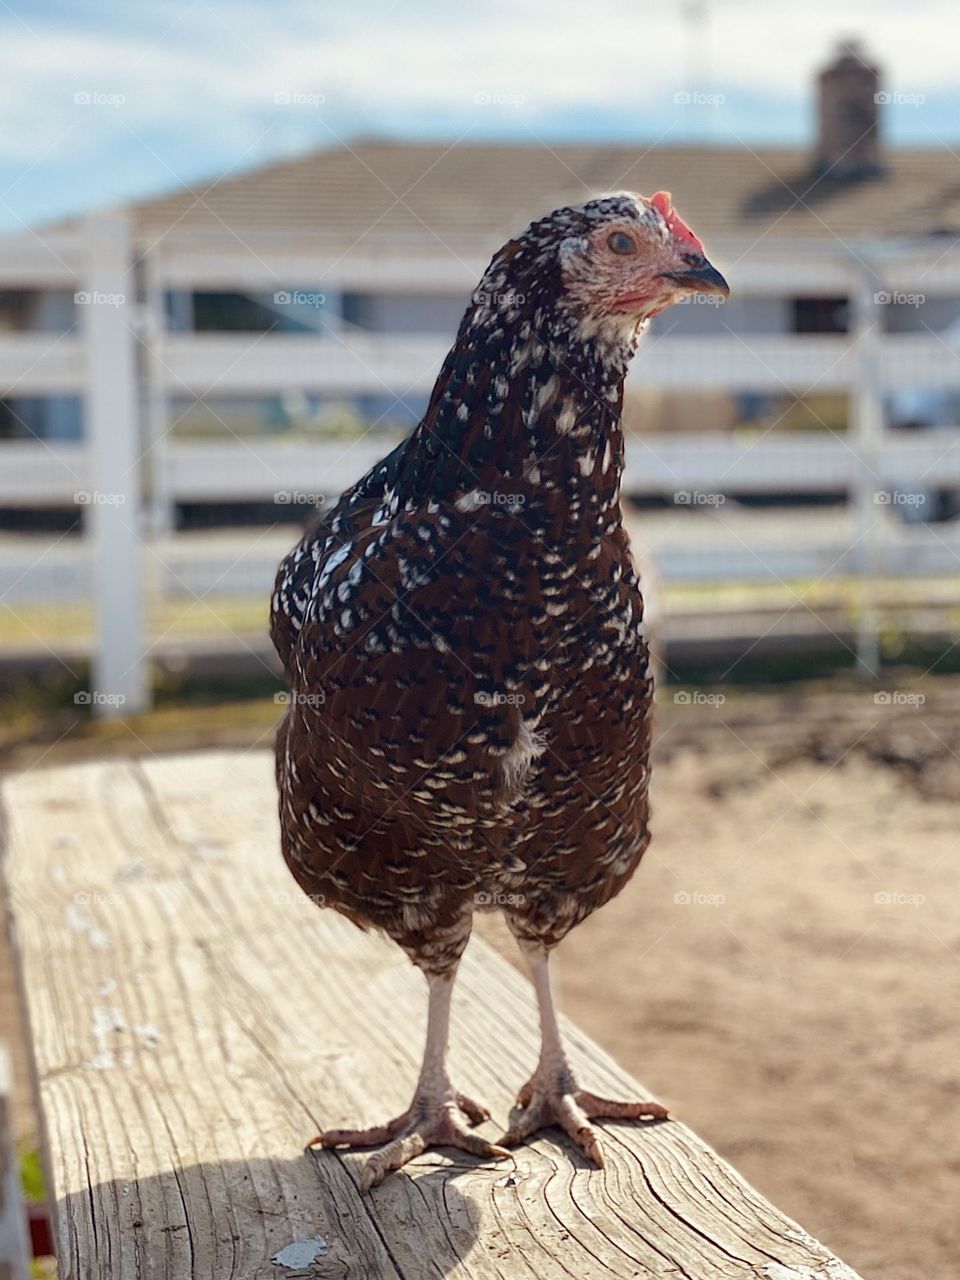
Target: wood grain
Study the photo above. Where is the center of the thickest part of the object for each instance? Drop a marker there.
(195, 1019)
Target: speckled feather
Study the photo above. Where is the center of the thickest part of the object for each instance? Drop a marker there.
(469, 722)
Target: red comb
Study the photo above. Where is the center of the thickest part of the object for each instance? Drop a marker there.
(675, 224)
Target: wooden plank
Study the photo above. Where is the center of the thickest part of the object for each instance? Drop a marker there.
(195, 1018)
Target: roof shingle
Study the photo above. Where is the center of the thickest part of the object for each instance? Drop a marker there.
(387, 190)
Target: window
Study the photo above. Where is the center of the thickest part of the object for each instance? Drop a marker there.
(36, 311)
(820, 315)
(706, 315)
(917, 408)
(285, 310)
(906, 311)
(40, 418)
(438, 313)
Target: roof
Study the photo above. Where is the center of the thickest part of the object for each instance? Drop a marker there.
(387, 190)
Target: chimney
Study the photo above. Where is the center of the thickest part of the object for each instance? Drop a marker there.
(848, 144)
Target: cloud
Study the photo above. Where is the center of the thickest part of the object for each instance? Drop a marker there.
(175, 87)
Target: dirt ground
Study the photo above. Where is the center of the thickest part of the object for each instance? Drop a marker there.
(784, 968)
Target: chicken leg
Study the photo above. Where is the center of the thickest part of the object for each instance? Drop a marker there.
(552, 1096)
(432, 1119)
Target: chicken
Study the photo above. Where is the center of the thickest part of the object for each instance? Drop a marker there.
(469, 719)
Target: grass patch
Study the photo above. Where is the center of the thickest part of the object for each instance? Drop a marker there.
(32, 1181)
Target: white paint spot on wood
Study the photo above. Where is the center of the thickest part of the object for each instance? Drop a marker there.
(147, 1033)
(208, 850)
(100, 1062)
(138, 870)
(106, 1023)
(301, 1253)
(78, 921)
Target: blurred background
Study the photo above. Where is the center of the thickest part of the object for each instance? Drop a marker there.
(236, 244)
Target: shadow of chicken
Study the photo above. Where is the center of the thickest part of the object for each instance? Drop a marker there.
(469, 716)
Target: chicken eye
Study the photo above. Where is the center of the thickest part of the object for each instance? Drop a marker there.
(620, 242)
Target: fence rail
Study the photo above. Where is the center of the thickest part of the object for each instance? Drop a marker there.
(203, 364)
(704, 549)
(255, 469)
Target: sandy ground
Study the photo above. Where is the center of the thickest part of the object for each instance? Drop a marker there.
(784, 968)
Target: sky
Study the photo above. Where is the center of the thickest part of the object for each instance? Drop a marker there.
(113, 99)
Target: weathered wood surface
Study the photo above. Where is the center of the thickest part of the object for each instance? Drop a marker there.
(195, 1019)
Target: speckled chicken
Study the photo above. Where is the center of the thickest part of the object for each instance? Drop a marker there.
(469, 720)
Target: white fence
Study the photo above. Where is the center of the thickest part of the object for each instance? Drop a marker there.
(131, 469)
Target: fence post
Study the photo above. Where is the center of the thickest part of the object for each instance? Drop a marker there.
(867, 423)
(120, 670)
(159, 501)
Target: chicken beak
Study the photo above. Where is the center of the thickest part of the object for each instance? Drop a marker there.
(701, 277)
